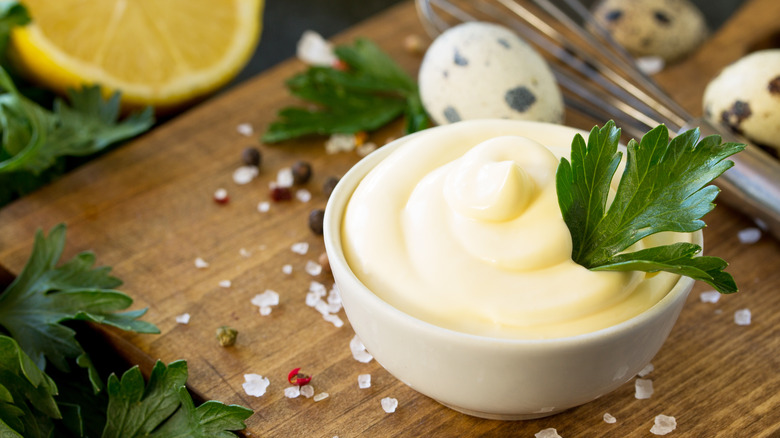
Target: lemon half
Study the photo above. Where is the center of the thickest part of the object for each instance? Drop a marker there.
(161, 53)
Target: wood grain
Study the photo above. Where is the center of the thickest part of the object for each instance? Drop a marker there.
(146, 209)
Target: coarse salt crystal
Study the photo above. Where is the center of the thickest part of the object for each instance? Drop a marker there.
(245, 129)
(313, 268)
(265, 300)
(201, 264)
(321, 396)
(761, 224)
(300, 248)
(340, 143)
(649, 368)
(307, 391)
(650, 65)
(312, 299)
(644, 388)
(184, 318)
(245, 174)
(359, 350)
(255, 384)
(663, 424)
(313, 49)
(284, 177)
(364, 381)
(287, 269)
(264, 206)
(220, 195)
(244, 252)
(225, 283)
(333, 319)
(609, 419)
(389, 404)
(303, 195)
(318, 289)
(366, 148)
(711, 296)
(547, 433)
(749, 235)
(292, 391)
(742, 317)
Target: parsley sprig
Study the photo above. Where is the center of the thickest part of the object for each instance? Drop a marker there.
(370, 93)
(33, 403)
(664, 187)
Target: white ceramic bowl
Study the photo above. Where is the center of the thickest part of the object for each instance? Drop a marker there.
(492, 377)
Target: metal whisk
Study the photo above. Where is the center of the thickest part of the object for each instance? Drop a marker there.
(601, 81)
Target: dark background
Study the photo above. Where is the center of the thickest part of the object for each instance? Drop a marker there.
(285, 20)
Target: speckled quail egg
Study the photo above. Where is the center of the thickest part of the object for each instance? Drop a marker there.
(669, 29)
(482, 70)
(746, 97)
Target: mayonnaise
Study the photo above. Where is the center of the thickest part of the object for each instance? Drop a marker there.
(460, 227)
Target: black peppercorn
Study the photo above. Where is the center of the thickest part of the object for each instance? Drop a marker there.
(251, 156)
(315, 220)
(301, 171)
(329, 185)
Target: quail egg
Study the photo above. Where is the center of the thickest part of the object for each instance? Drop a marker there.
(483, 70)
(669, 29)
(746, 97)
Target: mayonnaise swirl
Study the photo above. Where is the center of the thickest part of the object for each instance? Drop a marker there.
(460, 226)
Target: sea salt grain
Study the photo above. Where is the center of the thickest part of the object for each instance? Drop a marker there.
(650, 65)
(200, 263)
(359, 350)
(313, 268)
(609, 419)
(710, 296)
(364, 381)
(245, 174)
(292, 391)
(221, 195)
(333, 319)
(244, 252)
(321, 396)
(303, 195)
(649, 368)
(265, 300)
(749, 235)
(340, 143)
(307, 391)
(313, 49)
(547, 433)
(263, 207)
(663, 425)
(255, 384)
(245, 129)
(284, 177)
(742, 317)
(287, 269)
(389, 404)
(644, 388)
(300, 248)
(225, 284)
(184, 318)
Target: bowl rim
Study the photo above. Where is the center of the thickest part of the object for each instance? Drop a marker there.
(334, 212)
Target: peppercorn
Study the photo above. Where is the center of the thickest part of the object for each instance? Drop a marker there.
(329, 185)
(226, 336)
(324, 262)
(301, 171)
(316, 217)
(251, 156)
(281, 194)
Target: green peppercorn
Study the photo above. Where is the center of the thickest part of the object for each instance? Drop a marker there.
(226, 336)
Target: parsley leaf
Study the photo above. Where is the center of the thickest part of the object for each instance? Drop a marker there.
(663, 188)
(373, 91)
(42, 296)
(26, 394)
(164, 408)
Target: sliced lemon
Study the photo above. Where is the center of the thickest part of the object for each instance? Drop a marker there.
(161, 53)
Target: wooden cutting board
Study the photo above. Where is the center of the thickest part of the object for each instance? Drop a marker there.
(147, 210)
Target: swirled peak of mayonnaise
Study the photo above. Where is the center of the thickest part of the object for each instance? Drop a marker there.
(460, 226)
